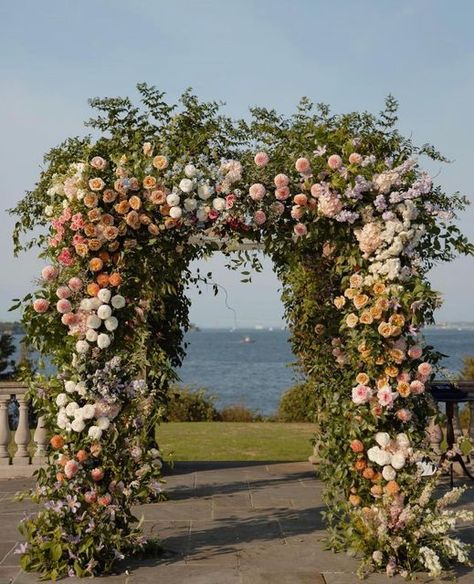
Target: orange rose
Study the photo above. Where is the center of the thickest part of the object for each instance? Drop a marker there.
(144, 219)
(135, 202)
(356, 281)
(60, 477)
(107, 219)
(153, 229)
(381, 382)
(91, 200)
(96, 184)
(96, 264)
(339, 302)
(366, 317)
(57, 442)
(165, 210)
(351, 320)
(360, 300)
(160, 162)
(376, 313)
(157, 197)
(149, 182)
(94, 244)
(113, 246)
(94, 215)
(397, 355)
(133, 220)
(90, 230)
(93, 289)
(359, 465)
(392, 488)
(110, 233)
(82, 455)
(368, 473)
(385, 329)
(378, 288)
(355, 500)
(382, 304)
(81, 249)
(96, 449)
(170, 222)
(123, 207)
(350, 293)
(376, 490)
(362, 378)
(109, 196)
(403, 389)
(397, 320)
(115, 279)
(103, 280)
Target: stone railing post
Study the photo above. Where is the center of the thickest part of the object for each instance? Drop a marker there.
(435, 434)
(4, 430)
(22, 434)
(41, 440)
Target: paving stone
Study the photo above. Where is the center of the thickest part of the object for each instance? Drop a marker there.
(296, 577)
(8, 574)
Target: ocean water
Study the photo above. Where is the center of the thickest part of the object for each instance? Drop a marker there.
(257, 373)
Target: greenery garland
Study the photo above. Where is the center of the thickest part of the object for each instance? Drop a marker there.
(352, 223)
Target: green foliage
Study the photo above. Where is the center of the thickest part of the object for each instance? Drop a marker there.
(238, 413)
(190, 405)
(7, 349)
(298, 404)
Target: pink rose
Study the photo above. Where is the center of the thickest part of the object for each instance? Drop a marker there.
(63, 292)
(300, 199)
(97, 474)
(105, 499)
(257, 192)
(415, 352)
(90, 496)
(355, 158)
(281, 180)
(75, 284)
(40, 305)
(69, 318)
(386, 396)
(260, 217)
(404, 376)
(361, 394)
(98, 162)
(70, 469)
(404, 415)
(329, 205)
(230, 201)
(65, 257)
(303, 165)
(282, 193)
(425, 369)
(277, 208)
(297, 212)
(261, 159)
(49, 273)
(334, 162)
(417, 387)
(317, 190)
(300, 229)
(63, 306)
(78, 239)
(357, 446)
(213, 214)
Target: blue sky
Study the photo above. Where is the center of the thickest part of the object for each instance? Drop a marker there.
(55, 55)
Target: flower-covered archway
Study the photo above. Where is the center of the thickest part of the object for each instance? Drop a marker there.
(352, 224)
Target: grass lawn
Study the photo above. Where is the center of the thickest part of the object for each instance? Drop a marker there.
(235, 441)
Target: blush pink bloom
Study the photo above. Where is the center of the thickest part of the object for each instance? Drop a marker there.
(282, 193)
(97, 474)
(230, 201)
(425, 369)
(361, 394)
(69, 319)
(261, 159)
(75, 284)
(281, 180)
(63, 292)
(317, 190)
(297, 212)
(105, 499)
(65, 257)
(329, 205)
(277, 208)
(386, 396)
(334, 162)
(403, 376)
(260, 217)
(355, 158)
(300, 199)
(303, 165)
(78, 239)
(63, 306)
(300, 229)
(417, 387)
(357, 446)
(257, 192)
(77, 222)
(49, 273)
(404, 415)
(213, 214)
(70, 469)
(415, 352)
(90, 496)
(98, 162)
(40, 305)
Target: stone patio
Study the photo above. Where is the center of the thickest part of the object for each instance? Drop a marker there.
(225, 523)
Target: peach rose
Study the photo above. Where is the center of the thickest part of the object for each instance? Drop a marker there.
(397, 320)
(356, 281)
(135, 202)
(404, 389)
(334, 162)
(261, 159)
(415, 352)
(260, 217)
(339, 302)
(110, 233)
(94, 244)
(357, 446)
(282, 193)
(350, 293)
(149, 182)
(157, 197)
(257, 192)
(81, 249)
(303, 165)
(300, 229)
(281, 180)
(109, 196)
(122, 208)
(378, 288)
(40, 305)
(90, 230)
(385, 329)
(362, 378)
(355, 158)
(352, 320)
(147, 149)
(355, 500)
(317, 190)
(71, 468)
(97, 474)
(49, 273)
(94, 215)
(366, 317)
(90, 497)
(425, 369)
(96, 265)
(57, 442)
(105, 499)
(360, 300)
(107, 219)
(300, 200)
(160, 162)
(96, 184)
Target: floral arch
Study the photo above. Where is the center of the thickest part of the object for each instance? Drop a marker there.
(352, 223)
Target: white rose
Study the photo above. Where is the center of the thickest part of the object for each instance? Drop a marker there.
(190, 170)
(201, 214)
(398, 460)
(70, 386)
(82, 347)
(111, 323)
(62, 400)
(93, 321)
(103, 423)
(103, 341)
(91, 335)
(154, 453)
(78, 425)
(71, 408)
(389, 473)
(104, 295)
(382, 439)
(118, 301)
(190, 204)
(48, 210)
(403, 441)
(384, 458)
(81, 388)
(186, 185)
(95, 433)
(219, 204)
(104, 311)
(88, 411)
(85, 304)
(204, 192)
(373, 453)
(95, 303)
(61, 421)
(173, 200)
(176, 212)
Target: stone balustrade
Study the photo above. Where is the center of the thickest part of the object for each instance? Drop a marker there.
(21, 463)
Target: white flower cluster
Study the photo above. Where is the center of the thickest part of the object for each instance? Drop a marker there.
(99, 314)
(392, 455)
(74, 187)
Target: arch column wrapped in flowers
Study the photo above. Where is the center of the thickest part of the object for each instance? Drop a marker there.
(352, 224)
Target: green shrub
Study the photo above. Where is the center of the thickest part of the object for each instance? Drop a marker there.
(187, 404)
(238, 413)
(298, 404)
